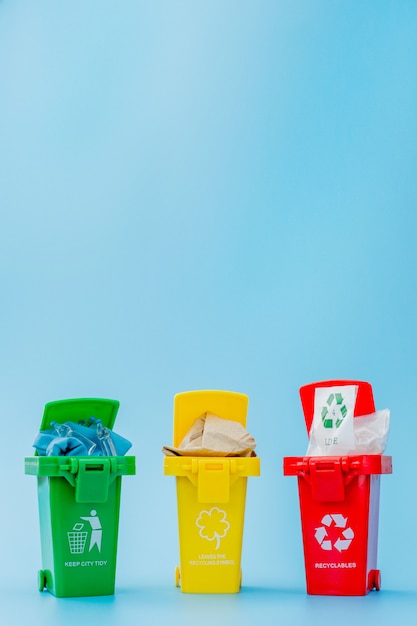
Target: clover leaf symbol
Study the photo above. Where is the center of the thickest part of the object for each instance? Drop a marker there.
(213, 525)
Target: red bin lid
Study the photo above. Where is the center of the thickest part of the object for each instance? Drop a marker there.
(364, 399)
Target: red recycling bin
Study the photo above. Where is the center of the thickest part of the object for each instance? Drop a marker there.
(339, 505)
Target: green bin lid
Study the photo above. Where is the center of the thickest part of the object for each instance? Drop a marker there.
(77, 409)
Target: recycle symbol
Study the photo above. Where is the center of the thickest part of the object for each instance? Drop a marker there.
(344, 539)
(334, 404)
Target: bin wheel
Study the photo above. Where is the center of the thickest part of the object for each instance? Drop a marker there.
(41, 580)
(374, 580)
(177, 576)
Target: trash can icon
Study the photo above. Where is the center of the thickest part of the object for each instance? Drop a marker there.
(79, 502)
(77, 539)
(339, 506)
(211, 496)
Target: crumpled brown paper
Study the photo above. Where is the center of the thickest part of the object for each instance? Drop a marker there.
(211, 435)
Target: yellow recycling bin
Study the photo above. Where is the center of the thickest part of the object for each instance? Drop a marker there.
(211, 494)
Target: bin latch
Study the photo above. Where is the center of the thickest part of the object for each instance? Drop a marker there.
(213, 480)
(327, 480)
(92, 480)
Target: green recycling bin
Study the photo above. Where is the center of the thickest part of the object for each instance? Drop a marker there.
(79, 502)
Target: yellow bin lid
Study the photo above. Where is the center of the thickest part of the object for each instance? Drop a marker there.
(190, 405)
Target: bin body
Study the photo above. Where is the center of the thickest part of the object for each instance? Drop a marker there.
(339, 506)
(211, 496)
(79, 503)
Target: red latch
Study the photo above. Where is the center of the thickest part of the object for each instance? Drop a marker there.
(327, 480)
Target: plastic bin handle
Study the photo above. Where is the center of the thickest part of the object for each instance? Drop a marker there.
(328, 476)
(212, 476)
(90, 477)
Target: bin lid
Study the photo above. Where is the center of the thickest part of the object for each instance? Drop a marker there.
(190, 405)
(364, 400)
(76, 409)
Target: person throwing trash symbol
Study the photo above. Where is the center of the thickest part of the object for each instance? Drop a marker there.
(96, 530)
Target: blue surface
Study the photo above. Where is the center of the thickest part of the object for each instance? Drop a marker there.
(202, 195)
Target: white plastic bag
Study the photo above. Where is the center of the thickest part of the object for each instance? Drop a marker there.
(371, 432)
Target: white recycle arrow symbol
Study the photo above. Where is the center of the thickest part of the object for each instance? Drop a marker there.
(339, 520)
(320, 534)
(343, 542)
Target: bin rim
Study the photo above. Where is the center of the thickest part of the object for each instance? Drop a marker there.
(62, 465)
(358, 464)
(364, 405)
(184, 465)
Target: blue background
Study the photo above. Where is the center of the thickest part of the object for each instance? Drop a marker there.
(207, 195)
